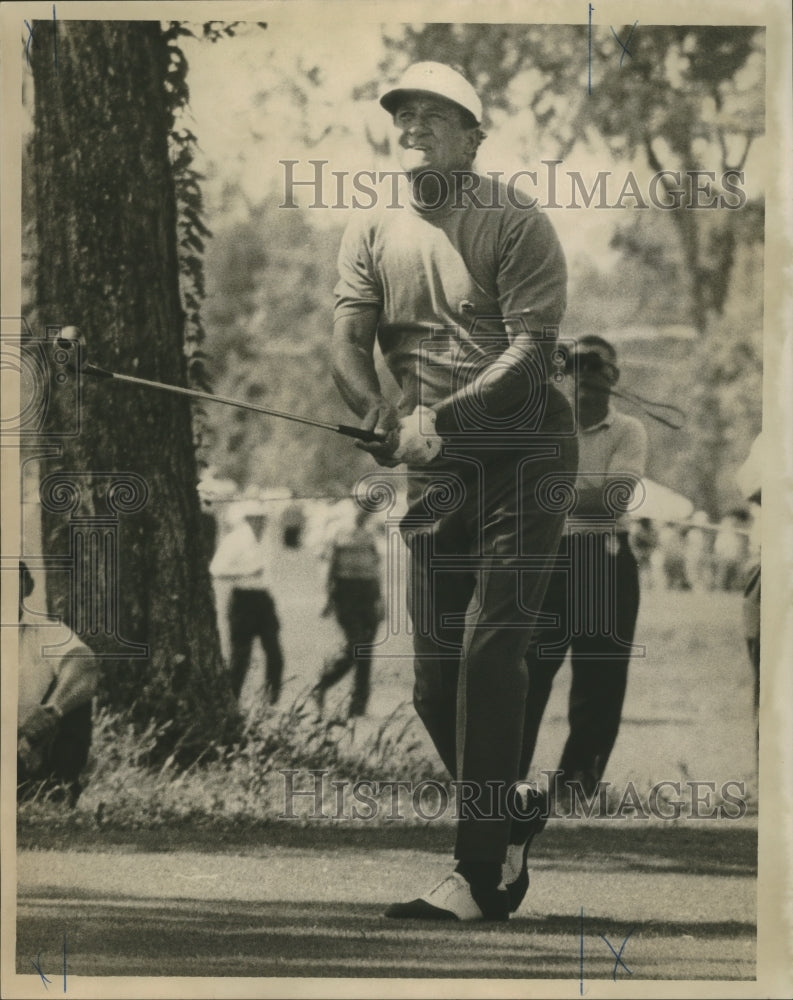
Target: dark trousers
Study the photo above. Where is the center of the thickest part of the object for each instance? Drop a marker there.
(356, 605)
(593, 593)
(751, 620)
(252, 614)
(476, 582)
(63, 760)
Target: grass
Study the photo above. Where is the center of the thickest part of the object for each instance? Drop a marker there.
(687, 717)
(245, 782)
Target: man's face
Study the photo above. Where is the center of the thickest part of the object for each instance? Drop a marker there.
(593, 383)
(432, 136)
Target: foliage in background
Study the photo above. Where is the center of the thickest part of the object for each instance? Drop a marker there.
(269, 312)
(714, 375)
(686, 98)
(192, 231)
(269, 777)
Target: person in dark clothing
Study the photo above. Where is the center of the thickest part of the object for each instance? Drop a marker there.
(593, 593)
(463, 287)
(355, 598)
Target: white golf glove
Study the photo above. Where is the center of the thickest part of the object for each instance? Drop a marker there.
(418, 441)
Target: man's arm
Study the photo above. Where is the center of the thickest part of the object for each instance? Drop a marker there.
(77, 683)
(356, 378)
(532, 292)
(503, 386)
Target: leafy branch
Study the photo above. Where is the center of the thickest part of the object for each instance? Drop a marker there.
(191, 229)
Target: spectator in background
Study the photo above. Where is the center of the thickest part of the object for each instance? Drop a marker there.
(699, 552)
(58, 675)
(729, 551)
(645, 542)
(209, 527)
(355, 598)
(749, 479)
(246, 556)
(293, 523)
(593, 592)
(672, 541)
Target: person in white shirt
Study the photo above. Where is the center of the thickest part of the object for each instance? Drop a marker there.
(594, 589)
(749, 479)
(58, 675)
(245, 557)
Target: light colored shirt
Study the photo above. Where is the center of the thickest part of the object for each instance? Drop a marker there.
(613, 448)
(40, 665)
(750, 475)
(445, 282)
(244, 558)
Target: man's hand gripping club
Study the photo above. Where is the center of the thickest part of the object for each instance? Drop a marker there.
(411, 439)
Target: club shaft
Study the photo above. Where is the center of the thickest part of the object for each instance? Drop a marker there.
(212, 397)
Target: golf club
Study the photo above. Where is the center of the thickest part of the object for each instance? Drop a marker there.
(71, 340)
(592, 362)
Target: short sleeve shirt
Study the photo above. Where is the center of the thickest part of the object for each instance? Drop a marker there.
(245, 558)
(451, 285)
(617, 446)
(43, 645)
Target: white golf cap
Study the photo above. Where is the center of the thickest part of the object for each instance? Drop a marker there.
(438, 79)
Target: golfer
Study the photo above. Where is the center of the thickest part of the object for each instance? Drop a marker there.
(463, 286)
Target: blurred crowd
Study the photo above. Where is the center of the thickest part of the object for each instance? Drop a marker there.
(251, 536)
(691, 554)
(696, 554)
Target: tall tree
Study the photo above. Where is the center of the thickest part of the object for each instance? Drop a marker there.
(691, 99)
(120, 508)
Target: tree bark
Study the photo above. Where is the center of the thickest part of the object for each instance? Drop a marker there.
(120, 509)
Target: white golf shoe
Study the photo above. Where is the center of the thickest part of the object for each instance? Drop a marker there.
(515, 873)
(453, 898)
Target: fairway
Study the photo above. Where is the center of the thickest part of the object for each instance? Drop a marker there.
(680, 901)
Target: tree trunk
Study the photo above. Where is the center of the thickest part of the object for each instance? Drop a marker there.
(120, 510)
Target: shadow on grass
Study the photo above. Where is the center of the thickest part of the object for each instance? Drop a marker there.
(722, 848)
(126, 936)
